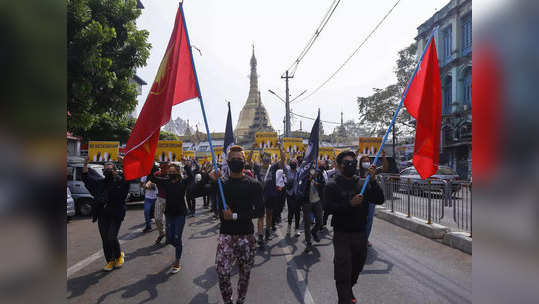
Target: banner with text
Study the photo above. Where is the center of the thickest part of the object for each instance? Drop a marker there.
(325, 153)
(102, 151)
(266, 140)
(188, 154)
(169, 150)
(369, 145)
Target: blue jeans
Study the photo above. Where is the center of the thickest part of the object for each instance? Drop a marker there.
(370, 217)
(174, 232)
(148, 204)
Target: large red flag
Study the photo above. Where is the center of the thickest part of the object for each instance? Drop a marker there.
(424, 103)
(174, 83)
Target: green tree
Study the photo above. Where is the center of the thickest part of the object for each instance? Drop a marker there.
(376, 111)
(164, 135)
(106, 127)
(103, 49)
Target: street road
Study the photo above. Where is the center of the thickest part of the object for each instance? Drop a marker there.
(402, 267)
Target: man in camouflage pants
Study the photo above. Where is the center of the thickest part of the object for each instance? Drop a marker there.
(236, 242)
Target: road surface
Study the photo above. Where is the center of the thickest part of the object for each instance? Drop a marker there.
(402, 267)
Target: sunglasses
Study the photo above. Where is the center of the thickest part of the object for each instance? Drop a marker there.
(349, 163)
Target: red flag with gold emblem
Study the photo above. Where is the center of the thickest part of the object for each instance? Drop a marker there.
(174, 83)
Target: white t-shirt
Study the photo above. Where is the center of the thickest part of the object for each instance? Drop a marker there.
(149, 193)
(279, 180)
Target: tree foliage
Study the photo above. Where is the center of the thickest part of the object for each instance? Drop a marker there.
(106, 127)
(103, 49)
(164, 135)
(376, 111)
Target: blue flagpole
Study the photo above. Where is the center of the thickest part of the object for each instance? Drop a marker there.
(399, 108)
(202, 107)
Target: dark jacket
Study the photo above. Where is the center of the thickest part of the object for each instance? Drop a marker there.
(175, 200)
(109, 195)
(338, 193)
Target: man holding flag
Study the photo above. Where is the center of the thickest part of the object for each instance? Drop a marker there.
(349, 205)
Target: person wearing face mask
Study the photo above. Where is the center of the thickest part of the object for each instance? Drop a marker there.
(109, 210)
(175, 209)
(365, 164)
(294, 207)
(350, 210)
(236, 241)
(312, 205)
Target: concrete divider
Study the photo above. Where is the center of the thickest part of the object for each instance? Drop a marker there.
(458, 240)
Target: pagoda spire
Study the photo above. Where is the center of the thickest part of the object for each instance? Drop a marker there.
(253, 88)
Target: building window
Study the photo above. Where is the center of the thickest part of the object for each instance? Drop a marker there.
(466, 34)
(447, 96)
(468, 89)
(447, 44)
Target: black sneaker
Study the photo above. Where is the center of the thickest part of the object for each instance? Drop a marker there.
(308, 248)
(268, 235)
(316, 238)
(260, 241)
(147, 229)
(159, 238)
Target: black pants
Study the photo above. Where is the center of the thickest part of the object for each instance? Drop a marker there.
(350, 253)
(279, 206)
(109, 227)
(294, 209)
(316, 209)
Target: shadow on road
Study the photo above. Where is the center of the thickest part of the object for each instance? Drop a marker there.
(301, 262)
(147, 284)
(372, 256)
(207, 281)
(78, 286)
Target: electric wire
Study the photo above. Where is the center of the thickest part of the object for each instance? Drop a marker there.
(293, 67)
(353, 53)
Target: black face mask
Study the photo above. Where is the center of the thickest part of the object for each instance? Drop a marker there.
(293, 166)
(173, 176)
(108, 174)
(349, 168)
(236, 165)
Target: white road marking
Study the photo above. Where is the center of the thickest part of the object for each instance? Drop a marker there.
(97, 255)
(299, 278)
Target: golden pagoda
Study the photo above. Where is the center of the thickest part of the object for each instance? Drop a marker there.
(253, 116)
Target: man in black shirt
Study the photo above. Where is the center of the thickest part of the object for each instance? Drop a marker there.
(350, 210)
(236, 241)
(109, 210)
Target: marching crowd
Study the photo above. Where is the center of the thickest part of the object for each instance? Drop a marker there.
(252, 191)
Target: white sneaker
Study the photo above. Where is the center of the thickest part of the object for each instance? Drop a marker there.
(297, 232)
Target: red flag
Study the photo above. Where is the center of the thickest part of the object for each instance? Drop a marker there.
(424, 103)
(174, 83)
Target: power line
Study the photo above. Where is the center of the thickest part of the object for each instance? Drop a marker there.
(303, 116)
(310, 118)
(353, 53)
(293, 67)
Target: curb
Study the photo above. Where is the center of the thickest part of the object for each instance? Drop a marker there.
(457, 240)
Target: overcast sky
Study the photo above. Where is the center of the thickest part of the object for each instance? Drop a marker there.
(225, 30)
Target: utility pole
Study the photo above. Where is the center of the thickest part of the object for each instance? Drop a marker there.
(287, 105)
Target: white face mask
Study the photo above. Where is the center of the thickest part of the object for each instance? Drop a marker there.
(365, 165)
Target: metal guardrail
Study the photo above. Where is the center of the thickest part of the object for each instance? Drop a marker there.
(448, 203)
